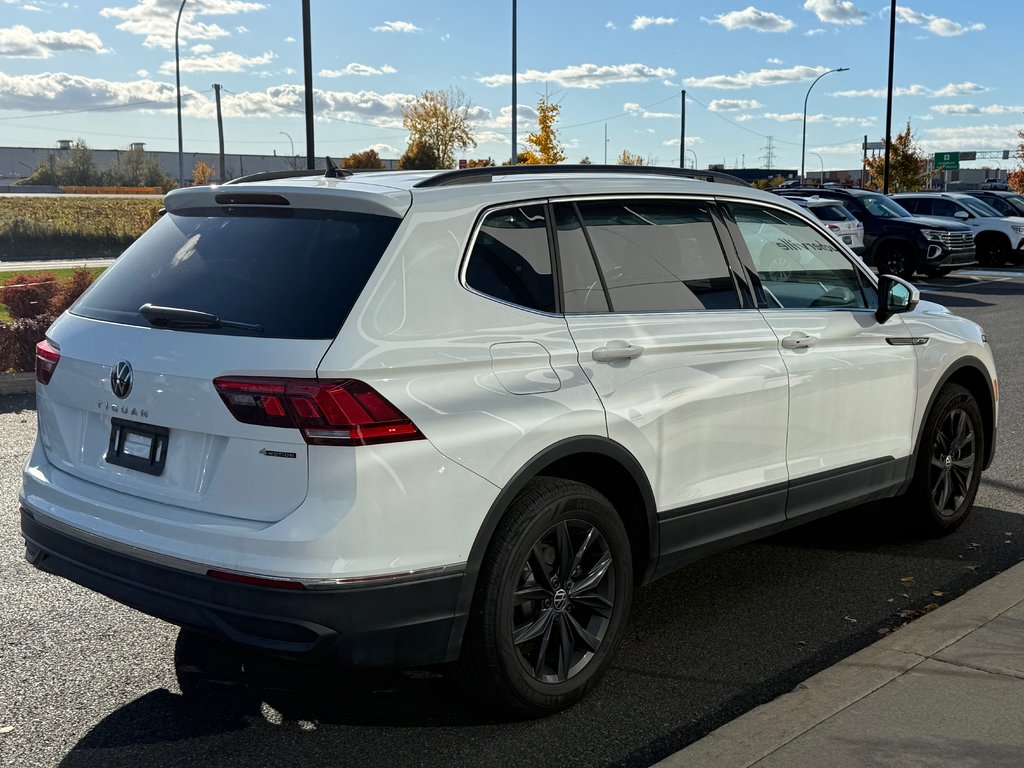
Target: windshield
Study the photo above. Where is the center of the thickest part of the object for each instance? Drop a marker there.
(977, 207)
(291, 274)
(884, 208)
(1017, 202)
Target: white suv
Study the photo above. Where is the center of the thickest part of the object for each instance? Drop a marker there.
(998, 238)
(412, 418)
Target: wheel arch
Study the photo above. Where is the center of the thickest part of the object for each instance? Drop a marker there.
(595, 461)
(971, 374)
(885, 242)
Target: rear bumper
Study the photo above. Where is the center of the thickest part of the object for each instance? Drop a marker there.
(396, 624)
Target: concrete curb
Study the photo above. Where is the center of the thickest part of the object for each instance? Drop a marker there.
(760, 732)
(17, 383)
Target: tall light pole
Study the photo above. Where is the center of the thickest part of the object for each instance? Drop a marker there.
(821, 179)
(285, 133)
(694, 158)
(888, 97)
(803, 143)
(515, 109)
(177, 84)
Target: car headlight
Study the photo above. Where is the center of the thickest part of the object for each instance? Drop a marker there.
(1018, 228)
(933, 234)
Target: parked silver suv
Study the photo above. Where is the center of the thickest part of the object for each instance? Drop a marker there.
(412, 418)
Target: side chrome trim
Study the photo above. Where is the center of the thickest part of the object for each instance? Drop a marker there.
(906, 341)
(190, 566)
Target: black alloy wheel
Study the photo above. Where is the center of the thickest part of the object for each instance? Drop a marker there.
(991, 251)
(895, 260)
(564, 601)
(949, 462)
(552, 600)
(953, 457)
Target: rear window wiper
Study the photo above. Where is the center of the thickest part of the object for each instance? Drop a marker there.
(179, 317)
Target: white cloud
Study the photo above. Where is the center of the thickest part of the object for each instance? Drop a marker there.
(21, 42)
(643, 22)
(760, 77)
(836, 11)
(241, 30)
(397, 26)
(638, 111)
(584, 75)
(775, 60)
(814, 32)
(752, 18)
(201, 49)
(59, 90)
(935, 24)
(143, 73)
(794, 117)
(976, 137)
(971, 109)
(733, 105)
(360, 70)
(289, 39)
(610, 25)
(384, 149)
(950, 89)
(221, 62)
(154, 19)
(691, 141)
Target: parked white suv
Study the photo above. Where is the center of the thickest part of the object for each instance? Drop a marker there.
(998, 238)
(412, 418)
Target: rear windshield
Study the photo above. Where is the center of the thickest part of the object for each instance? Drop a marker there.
(295, 273)
(830, 212)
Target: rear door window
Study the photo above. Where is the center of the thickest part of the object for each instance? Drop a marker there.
(653, 256)
(294, 273)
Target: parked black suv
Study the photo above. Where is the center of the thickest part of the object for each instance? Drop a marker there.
(895, 241)
(1007, 203)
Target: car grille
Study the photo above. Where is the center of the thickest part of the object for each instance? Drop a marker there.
(957, 241)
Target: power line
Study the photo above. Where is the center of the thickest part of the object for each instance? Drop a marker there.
(94, 109)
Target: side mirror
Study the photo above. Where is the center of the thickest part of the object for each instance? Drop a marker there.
(962, 215)
(895, 295)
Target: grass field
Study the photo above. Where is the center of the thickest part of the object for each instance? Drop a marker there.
(62, 275)
(78, 225)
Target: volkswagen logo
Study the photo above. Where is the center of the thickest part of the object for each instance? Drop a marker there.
(121, 378)
(560, 600)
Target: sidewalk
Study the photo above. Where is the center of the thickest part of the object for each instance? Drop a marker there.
(946, 690)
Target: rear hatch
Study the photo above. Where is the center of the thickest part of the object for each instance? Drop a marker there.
(228, 283)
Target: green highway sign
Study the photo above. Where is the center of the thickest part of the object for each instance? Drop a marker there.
(947, 161)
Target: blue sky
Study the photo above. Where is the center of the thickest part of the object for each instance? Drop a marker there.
(104, 71)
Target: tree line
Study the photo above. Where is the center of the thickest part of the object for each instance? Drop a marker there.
(133, 168)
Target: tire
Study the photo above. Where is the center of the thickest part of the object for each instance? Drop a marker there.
(948, 463)
(896, 259)
(537, 641)
(991, 251)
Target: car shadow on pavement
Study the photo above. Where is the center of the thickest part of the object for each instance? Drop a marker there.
(17, 403)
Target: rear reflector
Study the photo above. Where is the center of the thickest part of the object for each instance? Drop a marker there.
(345, 412)
(47, 357)
(255, 581)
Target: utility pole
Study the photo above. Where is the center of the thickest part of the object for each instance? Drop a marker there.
(606, 143)
(888, 96)
(220, 133)
(682, 133)
(307, 66)
(515, 107)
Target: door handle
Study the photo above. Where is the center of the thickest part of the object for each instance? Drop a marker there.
(798, 340)
(617, 350)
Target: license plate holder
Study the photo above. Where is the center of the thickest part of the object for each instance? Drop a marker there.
(142, 447)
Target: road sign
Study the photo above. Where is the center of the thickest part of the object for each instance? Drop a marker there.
(873, 145)
(947, 161)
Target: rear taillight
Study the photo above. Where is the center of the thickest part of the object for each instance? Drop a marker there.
(345, 412)
(834, 227)
(47, 357)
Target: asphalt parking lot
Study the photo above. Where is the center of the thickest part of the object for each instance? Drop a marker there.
(87, 682)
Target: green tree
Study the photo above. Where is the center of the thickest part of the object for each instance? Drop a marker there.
(480, 163)
(585, 160)
(419, 157)
(908, 165)
(545, 148)
(42, 176)
(77, 168)
(134, 168)
(368, 159)
(440, 120)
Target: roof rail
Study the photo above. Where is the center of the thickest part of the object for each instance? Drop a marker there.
(271, 175)
(488, 173)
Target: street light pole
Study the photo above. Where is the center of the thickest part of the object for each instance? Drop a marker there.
(177, 84)
(694, 158)
(803, 142)
(285, 133)
(821, 179)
